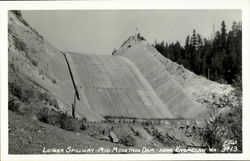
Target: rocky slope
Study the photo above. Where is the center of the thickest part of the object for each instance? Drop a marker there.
(197, 87)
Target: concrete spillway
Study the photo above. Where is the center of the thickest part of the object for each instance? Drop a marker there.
(132, 85)
(62, 68)
(107, 86)
(114, 87)
(167, 89)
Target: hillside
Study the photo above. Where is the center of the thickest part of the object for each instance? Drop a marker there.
(28, 136)
(197, 87)
(43, 64)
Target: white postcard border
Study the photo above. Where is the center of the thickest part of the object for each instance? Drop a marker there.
(244, 5)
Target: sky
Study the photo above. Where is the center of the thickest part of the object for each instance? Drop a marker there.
(100, 31)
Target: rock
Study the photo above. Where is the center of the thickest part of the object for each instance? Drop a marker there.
(105, 138)
(113, 137)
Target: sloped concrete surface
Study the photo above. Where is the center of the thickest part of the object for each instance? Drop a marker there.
(176, 99)
(113, 88)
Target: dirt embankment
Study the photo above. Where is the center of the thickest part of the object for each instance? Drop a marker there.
(28, 136)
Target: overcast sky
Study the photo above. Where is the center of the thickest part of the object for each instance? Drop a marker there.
(100, 31)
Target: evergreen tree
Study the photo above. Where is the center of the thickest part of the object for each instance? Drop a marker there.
(223, 38)
(194, 41)
(218, 59)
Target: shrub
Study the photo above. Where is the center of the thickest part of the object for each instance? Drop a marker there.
(18, 43)
(226, 125)
(34, 62)
(12, 66)
(83, 123)
(14, 104)
(15, 89)
(49, 99)
(127, 140)
(44, 96)
(137, 133)
(61, 120)
(54, 81)
(27, 95)
(21, 91)
(69, 123)
(43, 115)
(18, 13)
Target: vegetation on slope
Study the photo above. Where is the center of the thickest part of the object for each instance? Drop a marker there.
(218, 59)
(226, 121)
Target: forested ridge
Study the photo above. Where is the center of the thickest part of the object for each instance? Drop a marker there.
(217, 58)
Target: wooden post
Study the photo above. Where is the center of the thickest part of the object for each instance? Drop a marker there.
(208, 73)
(73, 106)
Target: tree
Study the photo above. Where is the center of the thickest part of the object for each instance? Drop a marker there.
(218, 59)
(177, 51)
(199, 41)
(187, 47)
(194, 40)
(199, 55)
(223, 38)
